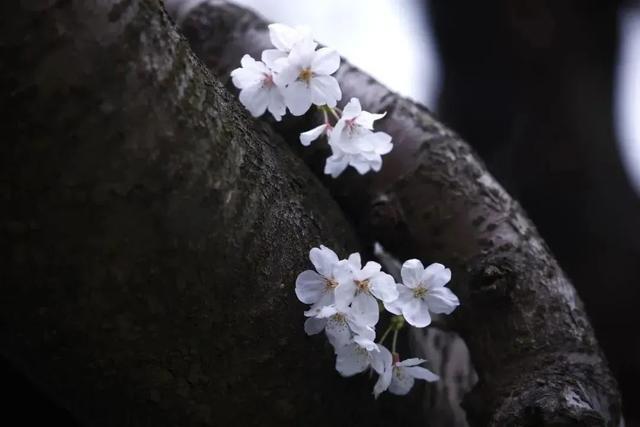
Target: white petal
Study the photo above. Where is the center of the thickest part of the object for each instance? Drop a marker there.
(361, 164)
(411, 362)
(381, 360)
(376, 164)
(383, 287)
(416, 313)
(384, 380)
(352, 109)
(346, 290)
(326, 311)
(284, 37)
(351, 360)
(366, 119)
(421, 374)
(411, 273)
(370, 269)
(365, 309)
(394, 306)
(441, 300)
(284, 73)
(436, 275)
(355, 261)
(255, 98)
(326, 61)
(314, 325)
(361, 330)
(243, 77)
(302, 53)
(298, 98)
(310, 286)
(276, 105)
(249, 63)
(323, 259)
(381, 142)
(270, 56)
(366, 343)
(306, 138)
(325, 90)
(338, 332)
(335, 165)
(327, 299)
(401, 382)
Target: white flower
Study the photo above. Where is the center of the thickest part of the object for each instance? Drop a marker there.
(340, 324)
(406, 372)
(361, 286)
(354, 143)
(362, 162)
(385, 375)
(399, 377)
(258, 91)
(354, 358)
(306, 76)
(423, 291)
(318, 288)
(284, 37)
(306, 138)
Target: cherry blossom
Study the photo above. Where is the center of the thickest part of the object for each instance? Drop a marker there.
(353, 359)
(354, 143)
(422, 291)
(306, 138)
(318, 287)
(305, 75)
(399, 377)
(360, 286)
(341, 325)
(258, 91)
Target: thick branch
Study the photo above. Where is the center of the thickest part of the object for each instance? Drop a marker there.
(152, 232)
(530, 339)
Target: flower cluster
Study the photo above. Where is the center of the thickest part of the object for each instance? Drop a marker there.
(296, 75)
(345, 301)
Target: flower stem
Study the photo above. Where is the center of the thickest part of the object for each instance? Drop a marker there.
(395, 339)
(333, 112)
(326, 117)
(385, 334)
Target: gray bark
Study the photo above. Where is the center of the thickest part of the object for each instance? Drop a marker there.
(152, 233)
(529, 336)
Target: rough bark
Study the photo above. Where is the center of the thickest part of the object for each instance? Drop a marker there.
(152, 232)
(531, 85)
(531, 342)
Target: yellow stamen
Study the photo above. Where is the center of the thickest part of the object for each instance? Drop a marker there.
(305, 75)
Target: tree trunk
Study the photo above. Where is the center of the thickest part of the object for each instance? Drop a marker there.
(530, 340)
(152, 233)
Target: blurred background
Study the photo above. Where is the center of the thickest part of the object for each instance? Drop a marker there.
(548, 93)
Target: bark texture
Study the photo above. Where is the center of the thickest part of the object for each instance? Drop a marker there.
(152, 232)
(531, 342)
(531, 86)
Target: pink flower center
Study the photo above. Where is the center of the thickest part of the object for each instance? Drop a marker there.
(267, 80)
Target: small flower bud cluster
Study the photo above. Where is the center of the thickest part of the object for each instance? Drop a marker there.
(296, 75)
(345, 300)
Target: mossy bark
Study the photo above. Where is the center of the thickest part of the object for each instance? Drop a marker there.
(152, 232)
(529, 336)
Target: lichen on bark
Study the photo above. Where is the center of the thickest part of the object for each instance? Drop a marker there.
(153, 232)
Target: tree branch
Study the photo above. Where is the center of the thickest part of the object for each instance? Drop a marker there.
(529, 336)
